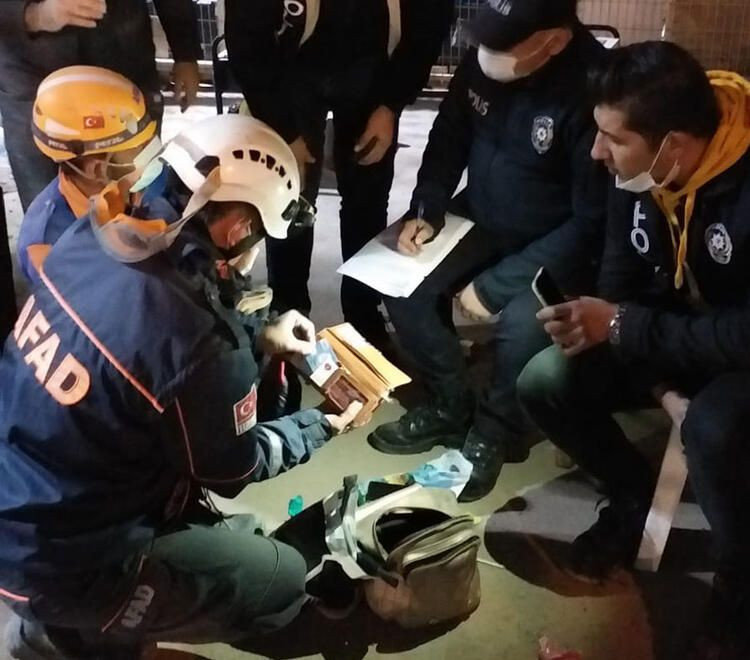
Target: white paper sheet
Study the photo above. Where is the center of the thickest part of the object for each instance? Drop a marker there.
(379, 265)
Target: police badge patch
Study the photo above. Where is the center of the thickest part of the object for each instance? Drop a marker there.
(719, 243)
(542, 134)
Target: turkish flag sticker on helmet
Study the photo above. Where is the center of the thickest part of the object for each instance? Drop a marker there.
(93, 121)
(246, 412)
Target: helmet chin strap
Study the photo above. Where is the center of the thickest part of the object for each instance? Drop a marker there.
(242, 246)
(103, 180)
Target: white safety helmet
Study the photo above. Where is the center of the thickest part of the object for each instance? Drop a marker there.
(255, 165)
(227, 158)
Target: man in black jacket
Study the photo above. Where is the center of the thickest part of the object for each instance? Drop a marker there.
(364, 60)
(672, 321)
(516, 115)
(41, 36)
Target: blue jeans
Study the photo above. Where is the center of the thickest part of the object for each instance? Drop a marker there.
(572, 401)
(425, 330)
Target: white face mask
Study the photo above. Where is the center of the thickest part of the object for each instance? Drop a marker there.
(645, 181)
(503, 67)
(145, 167)
(496, 65)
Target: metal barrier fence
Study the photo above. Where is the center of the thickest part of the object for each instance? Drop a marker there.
(207, 25)
(717, 31)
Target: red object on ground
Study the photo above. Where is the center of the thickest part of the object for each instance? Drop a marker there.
(547, 651)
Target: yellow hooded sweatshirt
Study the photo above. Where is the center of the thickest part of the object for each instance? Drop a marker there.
(728, 145)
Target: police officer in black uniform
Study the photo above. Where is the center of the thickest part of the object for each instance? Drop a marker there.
(364, 60)
(41, 36)
(516, 115)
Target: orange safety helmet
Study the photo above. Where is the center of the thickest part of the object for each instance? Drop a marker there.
(85, 110)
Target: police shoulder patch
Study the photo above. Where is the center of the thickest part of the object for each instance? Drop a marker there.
(719, 243)
(543, 134)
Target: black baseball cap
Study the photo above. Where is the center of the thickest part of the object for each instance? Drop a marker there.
(502, 24)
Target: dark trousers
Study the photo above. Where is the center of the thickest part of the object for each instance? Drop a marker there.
(32, 170)
(8, 309)
(364, 194)
(425, 330)
(200, 585)
(572, 401)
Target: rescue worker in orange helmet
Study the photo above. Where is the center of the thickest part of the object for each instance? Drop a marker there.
(94, 123)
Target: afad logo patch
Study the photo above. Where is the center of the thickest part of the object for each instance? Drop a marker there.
(246, 412)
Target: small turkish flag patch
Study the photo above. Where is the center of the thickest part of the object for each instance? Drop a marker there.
(246, 412)
(93, 121)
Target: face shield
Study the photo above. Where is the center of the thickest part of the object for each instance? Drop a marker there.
(130, 239)
(147, 166)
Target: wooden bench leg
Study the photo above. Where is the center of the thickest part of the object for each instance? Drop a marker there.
(667, 496)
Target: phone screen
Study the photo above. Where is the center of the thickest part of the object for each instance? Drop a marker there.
(545, 289)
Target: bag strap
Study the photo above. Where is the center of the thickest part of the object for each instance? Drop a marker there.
(469, 546)
(402, 558)
(431, 541)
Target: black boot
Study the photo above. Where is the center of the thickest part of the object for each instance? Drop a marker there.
(612, 542)
(420, 429)
(27, 640)
(30, 640)
(724, 635)
(487, 458)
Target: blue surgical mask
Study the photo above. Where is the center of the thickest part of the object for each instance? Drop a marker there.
(148, 166)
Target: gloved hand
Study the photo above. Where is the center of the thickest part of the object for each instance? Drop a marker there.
(186, 82)
(54, 15)
(290, 333)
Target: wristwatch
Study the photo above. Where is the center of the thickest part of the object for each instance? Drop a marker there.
(615, 326)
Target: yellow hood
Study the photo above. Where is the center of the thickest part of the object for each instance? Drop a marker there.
(728, 145)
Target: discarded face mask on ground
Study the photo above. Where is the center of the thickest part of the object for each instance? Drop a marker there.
(451, 470)
(413, 550)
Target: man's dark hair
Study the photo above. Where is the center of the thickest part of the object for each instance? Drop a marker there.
(659, 87)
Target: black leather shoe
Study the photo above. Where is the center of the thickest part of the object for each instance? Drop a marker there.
(488, 457)
(724, 634)
(612, 542)
(422, 428)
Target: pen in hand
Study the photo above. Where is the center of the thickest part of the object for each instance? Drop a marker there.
(420, 223)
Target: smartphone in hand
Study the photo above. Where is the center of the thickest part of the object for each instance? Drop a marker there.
(545, 289)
